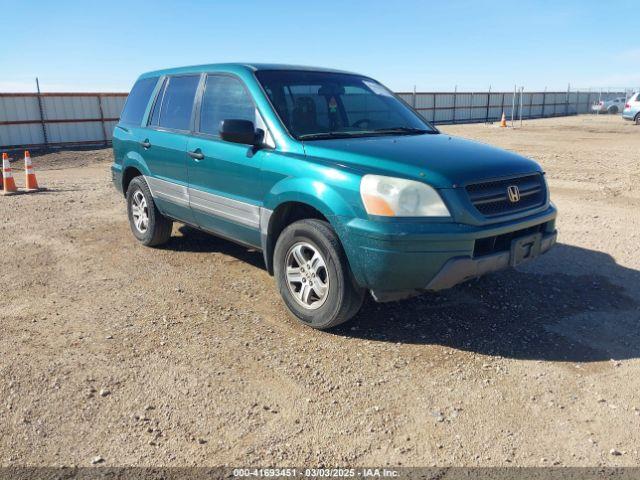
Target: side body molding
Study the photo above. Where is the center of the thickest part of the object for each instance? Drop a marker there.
(169, 191)
(242, 213)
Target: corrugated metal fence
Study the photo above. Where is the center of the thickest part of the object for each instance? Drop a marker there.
(66, 119)
(475, 107)
(58, 119)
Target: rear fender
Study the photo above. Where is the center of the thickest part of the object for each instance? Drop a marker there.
(133, 160)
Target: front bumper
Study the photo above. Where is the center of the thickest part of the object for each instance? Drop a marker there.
(461, 269)
(397, 260)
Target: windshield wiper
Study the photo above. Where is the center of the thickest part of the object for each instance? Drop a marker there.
(366, 133)
(321, 135)
(404, 130)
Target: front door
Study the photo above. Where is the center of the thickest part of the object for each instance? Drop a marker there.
(225, 188)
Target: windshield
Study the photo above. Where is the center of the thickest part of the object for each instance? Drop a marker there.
(318, 105)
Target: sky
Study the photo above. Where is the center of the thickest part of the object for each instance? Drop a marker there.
(432, 45)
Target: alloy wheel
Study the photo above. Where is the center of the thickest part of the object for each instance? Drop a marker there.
(307, 275)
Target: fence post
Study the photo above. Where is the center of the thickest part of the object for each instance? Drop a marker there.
(544, 100)
(513, 103)
(433, 110)
(566, 107)
(486, 120)
(455, 94)
(413, 98)
(520, 110)
(104, 127)
(42, 120)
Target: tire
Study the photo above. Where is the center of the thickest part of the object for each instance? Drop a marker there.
(613, 110)
(155, 229)
(342, 298)
(637, 119)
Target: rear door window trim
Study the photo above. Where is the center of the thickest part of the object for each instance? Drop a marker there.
(165, 83)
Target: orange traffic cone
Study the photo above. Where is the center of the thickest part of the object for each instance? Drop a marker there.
(9, 186)
(503, 122)
(29, 174)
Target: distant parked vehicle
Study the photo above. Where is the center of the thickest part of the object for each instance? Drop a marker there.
(609, 106)
(632, 108)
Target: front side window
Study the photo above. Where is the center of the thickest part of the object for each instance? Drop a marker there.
(137, 101)
(176, 105)
(317, 105)
(225, 98)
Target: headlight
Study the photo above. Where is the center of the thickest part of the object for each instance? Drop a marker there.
(397, 197)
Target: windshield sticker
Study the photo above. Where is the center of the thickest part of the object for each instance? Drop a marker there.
(377, 88)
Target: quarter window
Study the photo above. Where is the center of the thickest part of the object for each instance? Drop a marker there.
(137, 101)
(176, 104)
(155, 112)
(225, 98)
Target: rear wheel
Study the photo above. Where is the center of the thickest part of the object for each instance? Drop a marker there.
(148, 225)
(613, 110)
(313, 275)
(637, 119)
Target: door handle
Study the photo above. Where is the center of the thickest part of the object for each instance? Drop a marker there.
(196, 154)
(145, 144)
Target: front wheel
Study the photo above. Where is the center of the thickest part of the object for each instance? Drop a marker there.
(313, 275)
(613, 110)
(148, 225)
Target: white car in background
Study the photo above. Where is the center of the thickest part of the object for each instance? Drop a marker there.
(632, 108)
(609, 106)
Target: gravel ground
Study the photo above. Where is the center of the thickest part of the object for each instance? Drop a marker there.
(185, 355)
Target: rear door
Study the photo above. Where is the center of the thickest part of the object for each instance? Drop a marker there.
(127, 133)
(164, 142)
(225, 185)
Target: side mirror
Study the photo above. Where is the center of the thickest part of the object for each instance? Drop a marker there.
(239, 131)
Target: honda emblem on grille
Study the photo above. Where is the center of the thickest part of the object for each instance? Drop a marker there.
(514, 193)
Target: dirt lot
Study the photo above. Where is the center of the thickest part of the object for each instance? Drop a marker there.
(185, 355)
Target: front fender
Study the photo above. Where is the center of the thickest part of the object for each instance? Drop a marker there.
(336, 201)
(326, 198)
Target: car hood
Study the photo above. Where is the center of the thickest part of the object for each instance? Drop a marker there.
(441, 160)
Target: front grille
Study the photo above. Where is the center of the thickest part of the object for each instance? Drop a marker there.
(492, 198)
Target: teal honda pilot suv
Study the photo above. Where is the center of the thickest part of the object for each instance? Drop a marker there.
(342, 186)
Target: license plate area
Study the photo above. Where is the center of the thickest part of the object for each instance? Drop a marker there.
(525, 248)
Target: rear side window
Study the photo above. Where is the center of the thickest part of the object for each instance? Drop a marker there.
(224, 98)
(155, 112)
(176, 104)
(137, 101)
